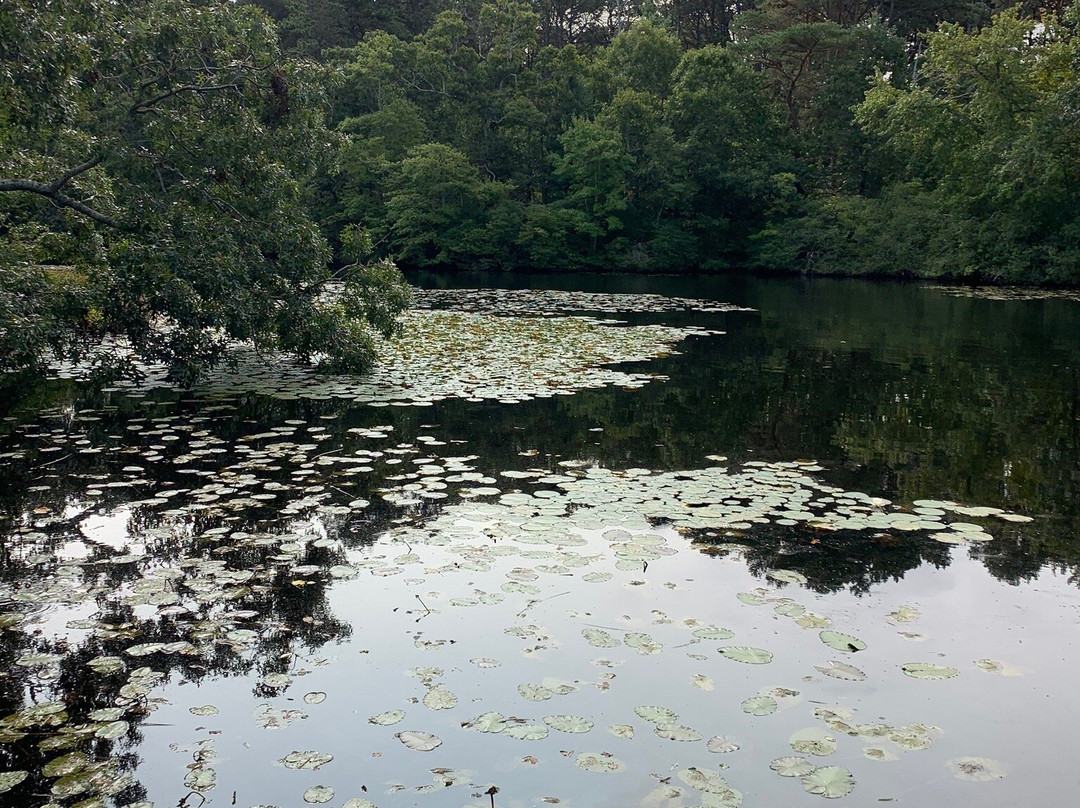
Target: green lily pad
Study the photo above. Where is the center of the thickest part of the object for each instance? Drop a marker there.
(842, 642)
(676, 732)
(746, 654)
(841, 670)
(8, 780)
(721, 744)
(306, 760)
(317, 697)
(792, 766)
(713, 633)
(419, 741)
(205, 710)
(568, 723)
(487, 722)
(599, 638)
(316, 795)
(657, 715)
(599, 762)
(927, 670)
(760, 705)
(439, 698)
(829, 781)
(387, 718)
(526, 732)
(814, 741)
(978, 769)
(534, 692)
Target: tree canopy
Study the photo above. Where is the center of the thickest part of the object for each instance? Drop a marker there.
(155, 166)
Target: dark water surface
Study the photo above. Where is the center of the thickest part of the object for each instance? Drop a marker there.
(178, 520)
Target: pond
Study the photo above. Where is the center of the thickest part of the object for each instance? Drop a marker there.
(581, 541)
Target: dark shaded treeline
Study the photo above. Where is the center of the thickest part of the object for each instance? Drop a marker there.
(817, 136)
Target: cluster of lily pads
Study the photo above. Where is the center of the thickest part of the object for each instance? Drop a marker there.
(545, 302)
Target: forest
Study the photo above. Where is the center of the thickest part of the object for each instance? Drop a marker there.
(216, 167)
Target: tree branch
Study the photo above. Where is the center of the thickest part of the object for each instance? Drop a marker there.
(62, 200)
(146, 106)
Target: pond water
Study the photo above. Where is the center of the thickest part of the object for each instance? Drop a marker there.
(584, 541)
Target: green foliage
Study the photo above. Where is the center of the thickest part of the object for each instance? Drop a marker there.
(162, 151)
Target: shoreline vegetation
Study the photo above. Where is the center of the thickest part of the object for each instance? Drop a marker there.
(214, 166)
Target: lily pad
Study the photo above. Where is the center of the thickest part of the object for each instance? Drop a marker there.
(439, 698)
(978, 769)
(841, 670)
(8, 780)
(759, 705)
(387, 718)
(316, 795)
(713, 633)
(306, 760)
(487, 722)
(927, 670)
(746, 654)
(568, 723)
(419, 741)
(829, 781)
(526, 732)
(599, 762)
(814, 741)
(721, 744)
(677, 732)
(657, 715)
(792, 766)
(534, 692)
(842, 642)
(621, 730)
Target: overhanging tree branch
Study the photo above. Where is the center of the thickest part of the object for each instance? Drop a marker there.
(52, 191)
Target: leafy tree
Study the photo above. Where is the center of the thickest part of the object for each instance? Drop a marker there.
(153, 163)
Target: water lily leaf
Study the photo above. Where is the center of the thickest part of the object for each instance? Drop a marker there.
(927, 670)
(811, 620)
(978, 769)
(841, 670)
(707, 781)
(792, 766)
(277, 681)
(568, 723)
(526, 732)
(713, 633)
(112, 730)
(760, 705)
(65, 765)
(485, 662)
(206, 709)
(842, 642)
(487, 722)
(676, 732)
(387, 718)
(750, 599)
(621, 730)
(419, 741)
(599, 762)
(8, 780)
(306, 760)
(746, 654)
(356, 802)
(534, 692)
(814, 741)
(721, 744)
(657, 715)
(317, 795)
(599, 638)
(877, 753)
(642, 643)
(439, 698)
(829, 781)
(786, 576)
(790, 610)
(905, 614)
(315, 697)
(702, 682)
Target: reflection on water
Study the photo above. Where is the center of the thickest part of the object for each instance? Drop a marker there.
(193, 590)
